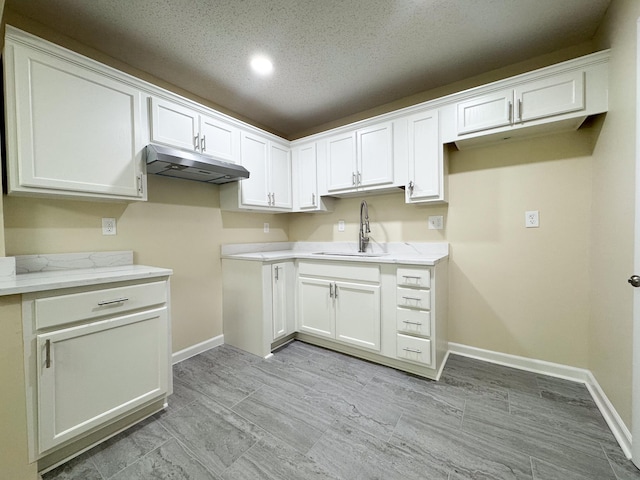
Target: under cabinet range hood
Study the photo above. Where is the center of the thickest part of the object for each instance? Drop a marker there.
(174, 162)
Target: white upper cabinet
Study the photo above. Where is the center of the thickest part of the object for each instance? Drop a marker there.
(306, 159)
(72, 130)
(427, 165)
(555, 98)
(268, 187)
(539, 99)
(362, 159)
(182, 127)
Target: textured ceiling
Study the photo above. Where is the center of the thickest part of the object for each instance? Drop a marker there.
(332, 58)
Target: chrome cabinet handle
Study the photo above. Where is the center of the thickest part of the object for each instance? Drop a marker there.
(47, 359)
(353, 178)
(273, 198)
(511, 119)
(335, 290)
(331, 290)
(110, 302)
(412, 323)
(520, 109)
(411, 188)
(414, 350)
(417, 299)
(276, 269)
(359, 178)
(269, 198)
(313, 199)
(196, 142)
(203, 143)
(417, 277)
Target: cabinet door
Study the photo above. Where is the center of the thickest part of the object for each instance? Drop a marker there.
(92, 373)
(307, 178)
(219, 139)
(255, 189)
(484, 112)
(550, 96)
(426, 169)
(70, 129)
(358, 314)
(375, 155)
(279, 275)
(174, 125)
(316, 308)
(342, 170)
(280, 176)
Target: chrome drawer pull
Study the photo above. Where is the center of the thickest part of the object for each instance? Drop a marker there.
(414, 350)
(109, 302)
(417, 277)
(47, 360)
(412, 323)
(412, 298)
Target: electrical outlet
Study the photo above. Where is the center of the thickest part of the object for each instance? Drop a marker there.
(531, 219)
(436, 222)
(266, 228)
(341, 225)
(109, 226)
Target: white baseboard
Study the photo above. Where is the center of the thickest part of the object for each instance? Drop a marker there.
(610, 414)
(581, 375)
(196, 349)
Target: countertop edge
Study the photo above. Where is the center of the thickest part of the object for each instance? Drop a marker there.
(41, 282)
(267, 257)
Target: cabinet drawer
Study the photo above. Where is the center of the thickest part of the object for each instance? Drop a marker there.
(413, 298)
(414, 321)
(414, 349)
(414, 277)
(62, 309)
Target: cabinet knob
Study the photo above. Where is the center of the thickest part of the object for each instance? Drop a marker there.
(634, 281)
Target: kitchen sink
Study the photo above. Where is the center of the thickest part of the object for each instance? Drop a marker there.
(351, 254)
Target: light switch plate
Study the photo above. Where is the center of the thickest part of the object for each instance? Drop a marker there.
(436, 222)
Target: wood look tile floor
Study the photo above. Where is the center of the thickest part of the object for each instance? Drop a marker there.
(309, 413)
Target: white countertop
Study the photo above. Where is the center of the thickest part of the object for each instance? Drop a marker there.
(395, 253)
(36, 273)
(51, 280)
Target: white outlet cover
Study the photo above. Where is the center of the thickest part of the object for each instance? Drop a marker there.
(109, 226)
(532, 219)
(436, 222)
(266, 228)
(341, 225)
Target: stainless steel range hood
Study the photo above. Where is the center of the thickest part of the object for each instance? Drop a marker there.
(173, 162)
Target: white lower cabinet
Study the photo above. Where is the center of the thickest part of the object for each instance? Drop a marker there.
(87, 370)
(390, 314)
(258, 303)
(93, 373)
(341, 302)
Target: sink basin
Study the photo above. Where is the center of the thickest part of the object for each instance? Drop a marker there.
(351, 254)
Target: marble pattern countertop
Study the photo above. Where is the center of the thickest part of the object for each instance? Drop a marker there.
(412, 253)
(34, 273)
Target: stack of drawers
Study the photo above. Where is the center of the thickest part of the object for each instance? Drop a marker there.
(413, 315)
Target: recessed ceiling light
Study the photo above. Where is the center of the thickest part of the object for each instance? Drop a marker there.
(261, 65)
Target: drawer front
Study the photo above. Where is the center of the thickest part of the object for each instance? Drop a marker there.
(340, 270)
(417, 322)
(414, 298)
(62, 309)
(414, 349)
(413, 277)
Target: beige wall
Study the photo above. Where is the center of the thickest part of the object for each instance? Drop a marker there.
(610, 326)
(180, 227)
(513, 290)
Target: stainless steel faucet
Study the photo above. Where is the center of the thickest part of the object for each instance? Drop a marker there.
(363, 239)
